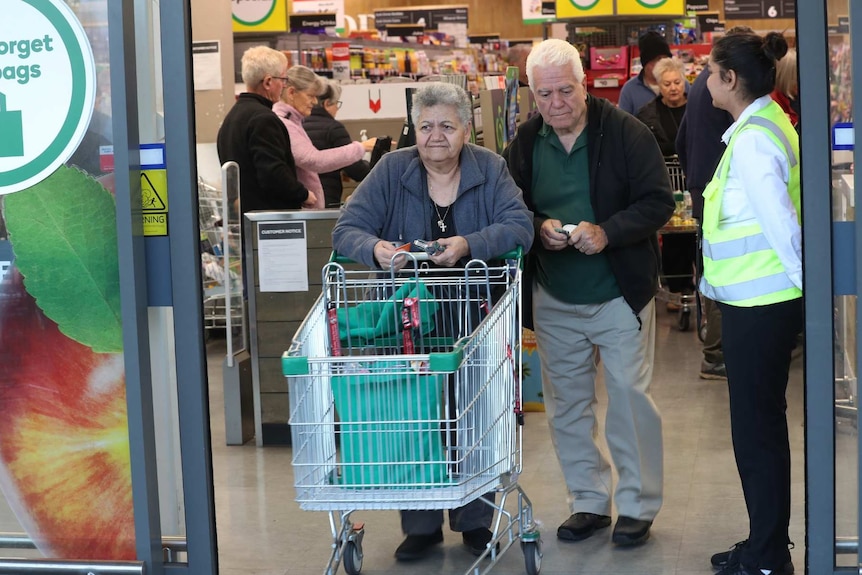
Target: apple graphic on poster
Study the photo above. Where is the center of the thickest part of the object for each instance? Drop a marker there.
(64, 448)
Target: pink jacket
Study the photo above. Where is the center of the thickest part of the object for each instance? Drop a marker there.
(309, 160)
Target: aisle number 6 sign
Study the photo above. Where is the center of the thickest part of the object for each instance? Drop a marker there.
(47, 90)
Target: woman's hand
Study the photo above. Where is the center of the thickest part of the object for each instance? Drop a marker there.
(456, 249)
(369, 144)
(310, 201)
(383, 252)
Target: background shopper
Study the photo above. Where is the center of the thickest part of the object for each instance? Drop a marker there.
(253, 137)
(327, 133)
(297, 100)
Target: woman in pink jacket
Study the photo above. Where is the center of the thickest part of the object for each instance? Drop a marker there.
(302, 87)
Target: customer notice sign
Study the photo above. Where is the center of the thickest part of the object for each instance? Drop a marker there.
(47, 90)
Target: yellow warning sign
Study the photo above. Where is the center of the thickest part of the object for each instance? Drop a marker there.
(154, 201)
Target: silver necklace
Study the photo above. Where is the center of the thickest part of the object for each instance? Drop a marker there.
(440, 219)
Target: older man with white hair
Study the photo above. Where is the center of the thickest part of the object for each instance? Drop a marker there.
(596, 182)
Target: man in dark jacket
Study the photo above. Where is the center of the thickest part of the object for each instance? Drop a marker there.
(596, 181)
(255, 138)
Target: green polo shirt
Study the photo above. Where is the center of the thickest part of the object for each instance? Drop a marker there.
(561, 190)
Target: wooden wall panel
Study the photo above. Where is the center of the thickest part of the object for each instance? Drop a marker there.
(486, 16)
(504, 16)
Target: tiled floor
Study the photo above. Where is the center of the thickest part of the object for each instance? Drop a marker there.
(262, 530)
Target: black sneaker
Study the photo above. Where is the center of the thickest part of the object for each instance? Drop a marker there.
(477, 540)
(417, 546)
(631, 531)
(743, 570)
(729, 557)
(728, 560)
(581, 525)
(714, 371)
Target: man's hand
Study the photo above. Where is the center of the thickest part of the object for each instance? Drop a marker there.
(383, 252)
(456, 248)
(552, 239)
(588, 238)
(310, 200)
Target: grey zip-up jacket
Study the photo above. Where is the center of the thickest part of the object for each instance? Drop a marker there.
(392, 204)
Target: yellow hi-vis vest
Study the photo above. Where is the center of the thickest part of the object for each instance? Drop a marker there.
(739, 266)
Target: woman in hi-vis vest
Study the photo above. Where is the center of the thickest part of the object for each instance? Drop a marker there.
(752, 266)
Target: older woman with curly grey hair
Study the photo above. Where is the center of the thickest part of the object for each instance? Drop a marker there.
(459, 195)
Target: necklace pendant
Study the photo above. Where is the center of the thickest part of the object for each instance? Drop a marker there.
(441, 225)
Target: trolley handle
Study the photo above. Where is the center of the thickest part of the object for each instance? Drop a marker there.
(516, 254)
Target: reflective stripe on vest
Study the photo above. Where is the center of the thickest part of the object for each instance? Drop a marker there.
(776, 131)
(735, 248)
(740, 267)
(742, 291)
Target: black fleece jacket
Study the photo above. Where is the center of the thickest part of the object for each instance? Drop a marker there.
(255, 138)
(629, 192)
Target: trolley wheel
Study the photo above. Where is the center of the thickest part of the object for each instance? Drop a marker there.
(684, 320)
(352, 558)
(533, 557)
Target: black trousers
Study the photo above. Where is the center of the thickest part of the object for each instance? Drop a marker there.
(757, 344)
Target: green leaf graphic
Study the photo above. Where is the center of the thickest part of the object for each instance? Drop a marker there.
(64, 235)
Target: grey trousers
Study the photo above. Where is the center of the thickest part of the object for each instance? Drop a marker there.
(566, 334)
(474, 515)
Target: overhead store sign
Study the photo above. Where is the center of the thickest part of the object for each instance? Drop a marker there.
(582, 8)
(650, 7)
(710, 22)
(430, 18)
(321, 7)
(47, 90)
(538, 11)
(259, 15)
(757, 9)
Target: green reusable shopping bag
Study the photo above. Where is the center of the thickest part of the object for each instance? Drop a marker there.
(12, 128)
(372, 320)
(390, 428)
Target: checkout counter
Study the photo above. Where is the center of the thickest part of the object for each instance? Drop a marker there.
(285, 252)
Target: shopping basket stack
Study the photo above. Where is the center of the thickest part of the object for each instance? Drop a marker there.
(405, 394)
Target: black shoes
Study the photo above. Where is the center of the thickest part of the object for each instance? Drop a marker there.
(714, 371)
(630, 531)
(417, 546)
(581, 525)
(742, 570)
(728, 562)
(477, 540)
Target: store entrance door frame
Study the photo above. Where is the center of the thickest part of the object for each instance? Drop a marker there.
(824, 288)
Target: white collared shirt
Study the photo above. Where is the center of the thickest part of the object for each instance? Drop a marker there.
(756, 191)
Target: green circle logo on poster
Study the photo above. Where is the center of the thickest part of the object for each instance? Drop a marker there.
(584, 4)
(651, 3)
(252, 12)
(47, 90)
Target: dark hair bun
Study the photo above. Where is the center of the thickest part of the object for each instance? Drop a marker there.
(774, 46)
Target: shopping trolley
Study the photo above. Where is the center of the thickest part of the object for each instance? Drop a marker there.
(681, 229)
(405, 394)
